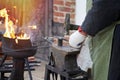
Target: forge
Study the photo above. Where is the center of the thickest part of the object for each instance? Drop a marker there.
(22, 49)
(17, 15)
(17, 18)
(19, 51)
(38, 13)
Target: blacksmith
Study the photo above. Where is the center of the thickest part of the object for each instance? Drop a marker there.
(102, 23)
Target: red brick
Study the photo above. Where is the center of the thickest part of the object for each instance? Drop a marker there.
(55, 19)
(58, 2)
(61, 20)
(70, 4)
(61, 7)
(66, 9)
(72, 16)
(55, 8)
(60, 14)
(70, 0)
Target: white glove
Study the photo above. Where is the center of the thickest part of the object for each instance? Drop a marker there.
(76, 39)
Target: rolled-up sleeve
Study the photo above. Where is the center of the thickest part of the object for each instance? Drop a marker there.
(102, 14)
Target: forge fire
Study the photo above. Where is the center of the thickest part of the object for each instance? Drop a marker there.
(12, 30)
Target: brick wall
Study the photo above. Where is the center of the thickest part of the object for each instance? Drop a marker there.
(61, 7)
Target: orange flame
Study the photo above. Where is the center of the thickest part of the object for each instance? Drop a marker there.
(10, 33)
(10, 29)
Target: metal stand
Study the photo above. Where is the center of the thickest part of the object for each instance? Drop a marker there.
(17, 71)
(64, 75)
(50, 70)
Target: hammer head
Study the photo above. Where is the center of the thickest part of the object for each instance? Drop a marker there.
(68, 26)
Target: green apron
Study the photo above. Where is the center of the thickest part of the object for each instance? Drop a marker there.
(100, 49)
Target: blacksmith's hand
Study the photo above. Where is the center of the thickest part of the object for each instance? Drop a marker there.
(77, 38)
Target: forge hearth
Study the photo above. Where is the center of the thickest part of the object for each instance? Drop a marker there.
(22, 49)
(19, 51)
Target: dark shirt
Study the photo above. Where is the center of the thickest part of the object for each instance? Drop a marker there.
(102, 14)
